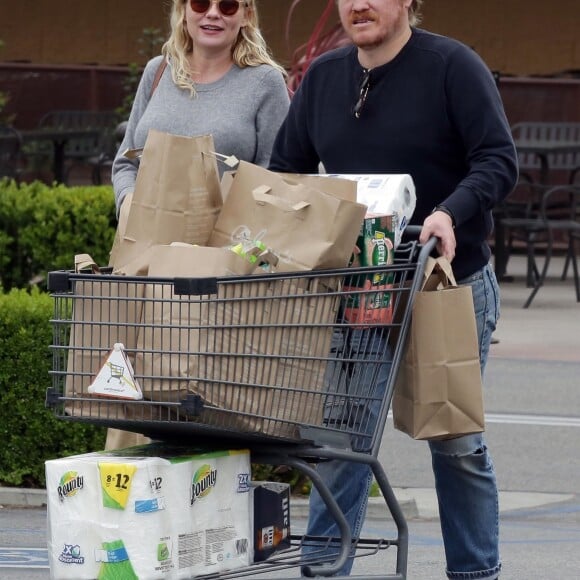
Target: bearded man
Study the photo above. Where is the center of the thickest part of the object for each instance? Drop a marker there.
(403, 100)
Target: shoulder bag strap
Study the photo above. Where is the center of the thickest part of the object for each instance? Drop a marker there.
(158, 74)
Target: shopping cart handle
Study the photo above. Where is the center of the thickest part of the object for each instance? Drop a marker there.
(411, 236)
(413, 233)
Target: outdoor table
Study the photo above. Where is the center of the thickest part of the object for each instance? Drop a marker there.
(544, 149)
(59, 139)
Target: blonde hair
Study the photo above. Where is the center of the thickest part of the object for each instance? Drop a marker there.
(249, 49)
(415, 12)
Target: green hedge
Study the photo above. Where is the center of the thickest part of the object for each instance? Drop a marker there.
(29, 432)
(43, 227)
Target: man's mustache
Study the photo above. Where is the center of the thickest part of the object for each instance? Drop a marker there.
(361, 15)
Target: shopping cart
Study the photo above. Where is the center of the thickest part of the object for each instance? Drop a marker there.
(281, 364)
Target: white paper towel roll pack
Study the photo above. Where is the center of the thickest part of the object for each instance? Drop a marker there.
(148, 512)
(386, 194)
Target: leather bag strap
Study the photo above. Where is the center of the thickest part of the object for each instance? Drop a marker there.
(158, 74)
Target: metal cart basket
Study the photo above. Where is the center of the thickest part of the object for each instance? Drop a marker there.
(299, 368)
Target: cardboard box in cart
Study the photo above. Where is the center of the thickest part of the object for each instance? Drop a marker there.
(271, 504)
(148, 512)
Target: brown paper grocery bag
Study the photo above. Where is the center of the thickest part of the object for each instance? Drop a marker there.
(177, 196)
(438, 393)
(104, 312)
(172, 328)
(117, 439)
(250, 355)
(305, 227)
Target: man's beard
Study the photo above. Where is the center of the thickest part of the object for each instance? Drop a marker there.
(378, 41)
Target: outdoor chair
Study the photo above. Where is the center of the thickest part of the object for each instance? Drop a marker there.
(521, 206)
(550, 216)
(85, 151)
(10, 150)
(104, 162)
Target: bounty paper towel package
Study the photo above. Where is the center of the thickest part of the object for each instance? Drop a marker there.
(148, 512)
(386, 195)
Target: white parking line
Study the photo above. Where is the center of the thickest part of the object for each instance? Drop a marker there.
(543, 420)
(521, 419)
(23, 558)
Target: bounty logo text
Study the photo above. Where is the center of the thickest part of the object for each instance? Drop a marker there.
(70, 483)
(202, 483)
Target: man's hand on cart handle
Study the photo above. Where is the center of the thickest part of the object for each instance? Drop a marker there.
(440, 224)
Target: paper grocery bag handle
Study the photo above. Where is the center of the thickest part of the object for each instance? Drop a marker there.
(83, 262)
(229, 160)
(133, 153)
(263, 194)
(438, 274)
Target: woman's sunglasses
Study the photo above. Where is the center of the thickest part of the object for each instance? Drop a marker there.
(226, 7)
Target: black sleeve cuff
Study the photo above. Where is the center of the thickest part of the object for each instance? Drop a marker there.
(446, 210)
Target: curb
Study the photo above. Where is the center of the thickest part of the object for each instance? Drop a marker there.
(18, 497)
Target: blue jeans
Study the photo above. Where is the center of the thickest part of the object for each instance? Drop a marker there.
(464, 476)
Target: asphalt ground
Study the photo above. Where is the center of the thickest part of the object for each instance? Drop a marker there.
(532, 397)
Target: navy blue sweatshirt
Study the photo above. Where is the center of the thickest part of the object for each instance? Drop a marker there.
(433, 112)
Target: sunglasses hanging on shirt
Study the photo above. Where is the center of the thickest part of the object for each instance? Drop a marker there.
(363, 92)
(226, 7)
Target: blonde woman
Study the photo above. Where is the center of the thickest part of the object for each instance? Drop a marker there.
(217, 77)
